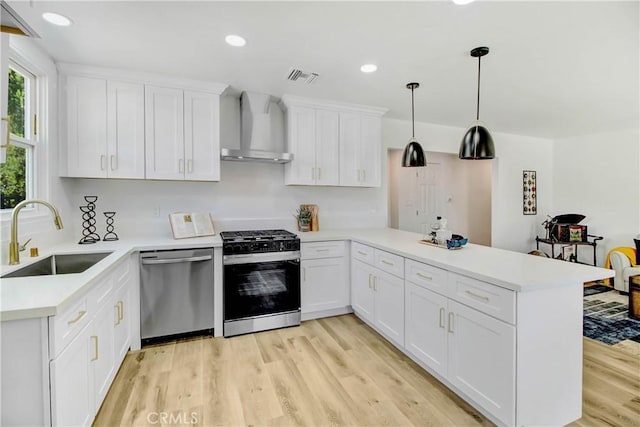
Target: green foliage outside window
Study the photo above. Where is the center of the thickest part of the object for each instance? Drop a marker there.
(13, 171)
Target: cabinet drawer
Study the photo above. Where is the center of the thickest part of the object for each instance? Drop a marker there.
(389, 262)
(362, 252)
(490, 299)
(427, 276)
(314, 250)
(64, 327)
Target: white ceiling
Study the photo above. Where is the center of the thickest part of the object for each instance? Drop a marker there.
(555, 68)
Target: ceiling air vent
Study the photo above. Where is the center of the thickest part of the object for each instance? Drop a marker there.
(302, 76)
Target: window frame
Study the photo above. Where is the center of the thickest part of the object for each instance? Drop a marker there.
(37, 167)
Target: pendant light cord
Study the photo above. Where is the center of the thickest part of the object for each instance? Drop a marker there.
(478, 102)
(413, 122)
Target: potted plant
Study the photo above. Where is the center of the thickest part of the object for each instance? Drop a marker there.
(303, 216)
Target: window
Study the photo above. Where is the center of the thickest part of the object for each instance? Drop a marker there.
(16, 173)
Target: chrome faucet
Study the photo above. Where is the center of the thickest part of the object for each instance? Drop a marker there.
(14, 246)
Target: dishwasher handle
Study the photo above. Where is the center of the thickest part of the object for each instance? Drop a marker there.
(147, 261)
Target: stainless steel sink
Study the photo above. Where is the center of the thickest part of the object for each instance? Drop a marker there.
(59, 264)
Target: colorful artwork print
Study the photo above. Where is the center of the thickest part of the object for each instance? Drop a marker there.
(529, 193)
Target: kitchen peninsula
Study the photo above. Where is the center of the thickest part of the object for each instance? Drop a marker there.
(501, 329)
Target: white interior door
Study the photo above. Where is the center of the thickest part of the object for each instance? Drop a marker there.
(421, 197)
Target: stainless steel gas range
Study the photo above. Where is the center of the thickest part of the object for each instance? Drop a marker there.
(261, 280)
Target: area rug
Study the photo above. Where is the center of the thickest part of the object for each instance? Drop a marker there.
(606, 319)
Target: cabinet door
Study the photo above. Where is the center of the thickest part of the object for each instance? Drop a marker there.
(362, 296)
(389, 306)
(122, 322)
(324, 284)
(301, 140)
(425, 323)
(327, 148)
(370, 147)
(202, 136)
(86, 127)
(125, 131)
(481, 359)
(71, 384)
(164, 133)
(350, 171)
(102, 353)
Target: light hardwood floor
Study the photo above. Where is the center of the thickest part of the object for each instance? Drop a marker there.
(334, 371)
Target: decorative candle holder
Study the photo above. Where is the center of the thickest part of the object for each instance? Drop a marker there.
(89, 234)
(111, 235)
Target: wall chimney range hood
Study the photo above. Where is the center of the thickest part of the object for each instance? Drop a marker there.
(259, 140)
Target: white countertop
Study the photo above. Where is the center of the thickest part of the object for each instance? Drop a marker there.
(41, 296)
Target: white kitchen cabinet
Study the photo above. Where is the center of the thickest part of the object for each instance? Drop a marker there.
(122, 322)
(333, 144)
(72, 401)
(481, 359)
(324, 284)
(105, 128)
(86, 127)
(125, 130)
(472, 350)
(182, 135)
(360, 149)
(312, 137)
(377, 296)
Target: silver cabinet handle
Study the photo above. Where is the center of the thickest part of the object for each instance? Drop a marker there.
(322, 250)
(175, 260)
(476, 296)
(369, 280)
(384, 261)
(190, 165)
(111, 158)
(441, 318)
(121, 303)
(424, 276)
(304, 274)
(180, 165)
(117, 307)
(362, 253)
(103, 158)
(451, 317)
(95, 348)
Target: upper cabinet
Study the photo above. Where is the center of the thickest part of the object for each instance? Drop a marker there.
(120, 125)
(332, 144)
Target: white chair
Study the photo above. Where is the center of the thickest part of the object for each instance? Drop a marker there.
(622, 265)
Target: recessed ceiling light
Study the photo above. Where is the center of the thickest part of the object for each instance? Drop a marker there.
(56, 19)
(462, 1)
(368, 68)
(235, 40)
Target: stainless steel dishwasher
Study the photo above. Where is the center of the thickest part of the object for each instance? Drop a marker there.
(176, 294)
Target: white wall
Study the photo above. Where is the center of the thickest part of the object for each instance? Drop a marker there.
(510, 229)
(599, 176)
(249, 195)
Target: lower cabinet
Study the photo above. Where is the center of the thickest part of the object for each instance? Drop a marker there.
(324, 279)
(473, 351)
(378, 297)
(82, 372)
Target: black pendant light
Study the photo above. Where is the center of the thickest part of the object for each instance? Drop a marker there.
(477, 143)
(413, 155)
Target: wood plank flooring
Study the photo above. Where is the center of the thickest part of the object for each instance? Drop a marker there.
(334, 371)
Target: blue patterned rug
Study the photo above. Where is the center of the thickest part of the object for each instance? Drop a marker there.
(607, 322)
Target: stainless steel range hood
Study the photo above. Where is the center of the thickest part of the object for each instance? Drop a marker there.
(259, 140)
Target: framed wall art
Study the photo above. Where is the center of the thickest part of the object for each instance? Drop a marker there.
(529, 193)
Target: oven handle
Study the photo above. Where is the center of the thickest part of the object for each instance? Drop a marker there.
(261, 257)
(175, 260)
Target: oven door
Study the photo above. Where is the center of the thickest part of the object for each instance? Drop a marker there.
(261, 284)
